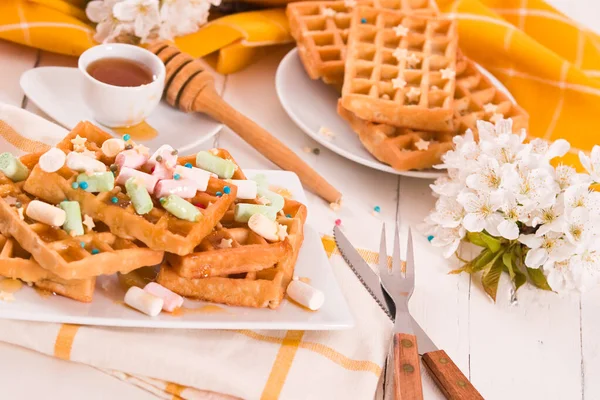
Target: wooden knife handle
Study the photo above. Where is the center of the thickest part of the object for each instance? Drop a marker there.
(449, 378)
(209, 102)
(407, 370)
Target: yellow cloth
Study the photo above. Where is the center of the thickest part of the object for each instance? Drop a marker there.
(548, 62)
(61, 26)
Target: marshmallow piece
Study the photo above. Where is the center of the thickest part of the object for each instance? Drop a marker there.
(263, 226)
(162, 171)
(242, 212)
(13, 168)
(171, 299)
(73, 224)
(276, 200)
(306, 295)
(148, 180)
(181, 208)
(209, 162)
(52, 160)
(46, 213)
(140, 198)
(183, 188)
(81, 163)
(166, 152)
(112, 147)
(130, 159)
(143, 301)
(97, 182)
(246, 189)
(199, 176)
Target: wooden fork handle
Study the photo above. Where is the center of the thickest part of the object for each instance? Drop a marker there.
(209, 102)
(449, 378)
(407, 369)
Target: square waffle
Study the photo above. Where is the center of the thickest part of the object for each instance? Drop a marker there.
(322, 36)
(251, 273)
(400, 69)
(16, 263)
(60, 253)
(158, 229)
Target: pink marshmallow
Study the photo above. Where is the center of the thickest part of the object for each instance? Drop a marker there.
(183, 188)
(148, 180)
(199, 176)
(165, 151)
(130, 159)
(161, 171)
(172, 300)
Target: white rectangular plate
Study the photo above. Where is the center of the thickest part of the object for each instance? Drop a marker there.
(107, 308)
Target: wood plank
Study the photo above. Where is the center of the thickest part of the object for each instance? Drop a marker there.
(14, 60)
(590, 329)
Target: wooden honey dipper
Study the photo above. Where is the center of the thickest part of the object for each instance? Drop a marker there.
(190, 87)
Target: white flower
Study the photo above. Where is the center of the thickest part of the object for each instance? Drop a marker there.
(182, 17)
(448, 213)
(448, 239)
(143, 14)
(567, 176)
(580, 196)
(550, 247)
(487, 178)
(550, 218)
(559, 275)
(576, 227)
(513, 212)
(446, 186)
(108, 28)
(591, 163)
(480, 211)
(585, 269)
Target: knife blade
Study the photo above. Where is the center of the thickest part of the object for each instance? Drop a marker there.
(361, 269)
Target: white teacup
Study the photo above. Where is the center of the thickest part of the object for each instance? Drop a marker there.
(119, 106)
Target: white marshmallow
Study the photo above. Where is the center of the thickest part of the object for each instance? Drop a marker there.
(183, 188)
(263, 226)
(306, 295)
(165, 151)
(80, 163)
(149, 181)
(143, 301)
(52, 160)
(46, 213)
(112, 147)
(199, 176)
(246, 189)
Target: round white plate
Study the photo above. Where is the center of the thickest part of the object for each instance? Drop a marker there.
(57, 92)
(312, 104)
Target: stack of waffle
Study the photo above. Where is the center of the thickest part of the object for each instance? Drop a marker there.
(406, 88)
(189, 254)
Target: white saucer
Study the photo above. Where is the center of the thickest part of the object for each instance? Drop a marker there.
(312, 104)
(57, 92)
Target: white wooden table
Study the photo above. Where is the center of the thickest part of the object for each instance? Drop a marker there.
(542, 347)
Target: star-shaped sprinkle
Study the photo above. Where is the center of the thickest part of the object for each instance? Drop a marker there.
(401, 30)
(263, 200)
(490, 108)
(225, 243)
(496, 117)
(327, 133)
(282, 231)
(398, 83)
(448, 73)
(20, 211)
(400, 54)
(413, 59)
(422, 145)
(328, 12)
(88, 222)
(413, 94)
(141, 149)
(78, 141)
(11, 201)
(350, 3)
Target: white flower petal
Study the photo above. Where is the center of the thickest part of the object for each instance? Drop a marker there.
(559, 148)
(125, 11)
(531, 241)
(474, 223)
(508, 230)
(535, 258)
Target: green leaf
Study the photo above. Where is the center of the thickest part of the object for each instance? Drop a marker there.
(519, 280)
(475, 238)
(538, 278)
(507, 261)
(491, 242)
(483, 259)
(491, 276)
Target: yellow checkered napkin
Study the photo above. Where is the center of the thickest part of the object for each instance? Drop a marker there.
(195, 364)
(548, 62)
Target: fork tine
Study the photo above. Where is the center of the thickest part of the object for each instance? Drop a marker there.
(410, 260)
(383, 253)
(396, 258)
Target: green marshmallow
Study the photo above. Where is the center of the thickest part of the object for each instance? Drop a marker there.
(73, 224)
(13, 168)
(140, 198)
(276, 200)
(97, 182)
(180, 208)
(243, 212)
(217, 165)
(261, 181)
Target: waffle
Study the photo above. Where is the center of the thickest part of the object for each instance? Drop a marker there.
(322, 39)
(16, 263)
(158, 229)
(379, 83)
(477, 98)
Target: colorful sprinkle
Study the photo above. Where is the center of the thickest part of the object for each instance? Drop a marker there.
(188, 165)
(162, 200)
(18, 204)
(177, 177)
(363, 20)
(74, 185)
(377, 209)
(219, 194)
(82, 244)
(114, 200)
(430, 238)
(338, 222)
(288, 215)
(114, 167)
(174, 152)
(126, 137)
(129, 147)
(226, 190)
(152, 170)
(83, 185)
(200, 205)
(159, 158)
(316, 151)
(95, 251)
